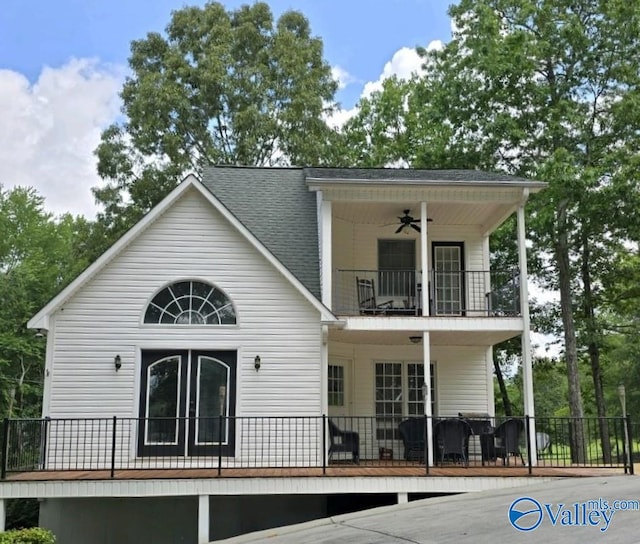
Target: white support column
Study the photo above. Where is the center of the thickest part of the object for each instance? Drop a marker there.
(424, 258)
(491, 399)
(326, 273)
(3, 515)
(426, 357)
(203, 519)
(486, 265)
(403, 498)
(527, 363)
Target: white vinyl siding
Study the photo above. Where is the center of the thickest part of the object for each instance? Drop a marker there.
(191, 240)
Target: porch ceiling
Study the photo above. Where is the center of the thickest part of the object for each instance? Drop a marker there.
(441, 213)
(438, 338)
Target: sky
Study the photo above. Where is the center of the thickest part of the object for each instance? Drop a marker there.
(63, 62)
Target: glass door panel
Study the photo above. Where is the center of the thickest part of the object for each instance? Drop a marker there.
(448, 269)
(389, 399)
(212, 395)
(211, 401)
(162, 402)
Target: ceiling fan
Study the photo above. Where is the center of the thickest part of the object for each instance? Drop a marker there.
(407, 221)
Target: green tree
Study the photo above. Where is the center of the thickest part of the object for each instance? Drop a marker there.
(220, 87)
(38, 256)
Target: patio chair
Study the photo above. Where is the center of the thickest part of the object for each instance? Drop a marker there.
(412, 432)
(367, 303)
(508, 435)
(452, 440)
(344, 441)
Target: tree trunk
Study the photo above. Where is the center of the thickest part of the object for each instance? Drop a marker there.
(506, 403)
(571, 352)
(593, 347)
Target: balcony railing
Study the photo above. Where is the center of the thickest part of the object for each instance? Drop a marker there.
(458, 293)
(113, 444)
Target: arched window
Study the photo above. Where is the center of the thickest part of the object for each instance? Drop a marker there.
(190, 303)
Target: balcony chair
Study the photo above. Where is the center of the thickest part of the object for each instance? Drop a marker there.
(452, 440)
(508, 435)
(412, 433)
(367, 303)
(344, 441)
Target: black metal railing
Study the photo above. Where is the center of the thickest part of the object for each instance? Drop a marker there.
(453, 293)
(318, 442)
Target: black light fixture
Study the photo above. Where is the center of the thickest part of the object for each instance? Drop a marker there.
(117, 362)
(415, 339)
(256, 362)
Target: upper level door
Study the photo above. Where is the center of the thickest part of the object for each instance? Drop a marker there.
(448, 278)
(397, 271)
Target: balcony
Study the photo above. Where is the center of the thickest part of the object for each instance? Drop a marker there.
(452, 293)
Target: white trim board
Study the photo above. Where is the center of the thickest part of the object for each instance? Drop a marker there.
(261, 486)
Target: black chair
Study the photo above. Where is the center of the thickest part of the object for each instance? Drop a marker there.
(367, 303)
(508, 436)
(452, 440)
(344, 441)
(412, 433)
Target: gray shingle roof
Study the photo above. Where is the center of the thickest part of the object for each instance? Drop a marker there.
(276, 206)
(385, 175)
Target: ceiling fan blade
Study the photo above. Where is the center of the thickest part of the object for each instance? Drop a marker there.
(415, 227)
(399, 229)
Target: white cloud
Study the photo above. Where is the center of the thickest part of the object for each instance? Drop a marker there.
(403, 64)
(51, 128)
(343, 77)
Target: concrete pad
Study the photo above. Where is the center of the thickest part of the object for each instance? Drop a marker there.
(480, 517)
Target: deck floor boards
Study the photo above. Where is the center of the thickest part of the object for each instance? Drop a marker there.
(365, 470)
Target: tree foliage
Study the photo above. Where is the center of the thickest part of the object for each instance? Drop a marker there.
(219, 87)
(38, 256)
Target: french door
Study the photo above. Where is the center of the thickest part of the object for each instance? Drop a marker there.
(183, 393)
(448, 270)
(399, 395)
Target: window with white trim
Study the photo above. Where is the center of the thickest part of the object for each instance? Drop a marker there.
(190, 303)
(335, 385)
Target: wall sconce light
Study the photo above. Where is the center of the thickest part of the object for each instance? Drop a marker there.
(256, 362)
(40, 333)
(415, 339)
(117, 362)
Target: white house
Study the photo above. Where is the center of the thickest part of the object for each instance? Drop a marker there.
(213, 337)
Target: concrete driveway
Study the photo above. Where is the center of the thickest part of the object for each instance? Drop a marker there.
(552, 512)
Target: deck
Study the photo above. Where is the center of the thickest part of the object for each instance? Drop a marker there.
(342, 471)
